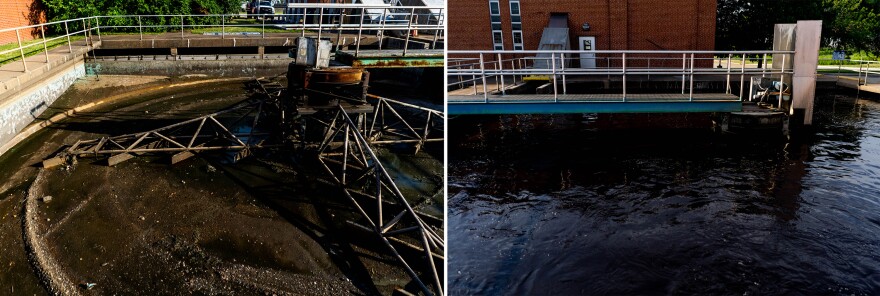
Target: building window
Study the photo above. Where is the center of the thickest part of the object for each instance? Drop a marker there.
(495, 20)
(516, 25)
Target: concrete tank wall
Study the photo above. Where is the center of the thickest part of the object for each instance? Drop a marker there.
(219, 68)
(19, 111)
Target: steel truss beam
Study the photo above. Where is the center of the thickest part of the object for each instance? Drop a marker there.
(205, 133)
(354, 165)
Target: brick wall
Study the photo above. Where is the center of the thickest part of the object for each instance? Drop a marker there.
(616, 24)
(15, 13)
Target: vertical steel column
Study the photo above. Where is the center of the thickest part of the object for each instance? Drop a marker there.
(474, 79)
(140, 28)
(764, 65)
(222, 26)
(21, 50)
(339, 28)
(382, 29)
(181, 27)
(436, 31)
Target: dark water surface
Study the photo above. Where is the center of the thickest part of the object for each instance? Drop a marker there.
(550, 205)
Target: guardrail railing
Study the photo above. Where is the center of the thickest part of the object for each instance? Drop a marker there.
(476, 69)
(359, 21)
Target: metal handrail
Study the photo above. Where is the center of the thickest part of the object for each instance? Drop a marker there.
(499, 65)
(363, 22)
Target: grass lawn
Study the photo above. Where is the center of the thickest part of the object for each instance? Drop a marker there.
(37, 48)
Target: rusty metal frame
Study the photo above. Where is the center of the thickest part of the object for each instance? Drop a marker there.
(347, 155)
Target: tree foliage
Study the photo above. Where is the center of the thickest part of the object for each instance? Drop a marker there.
(846, 24)
(71, 9)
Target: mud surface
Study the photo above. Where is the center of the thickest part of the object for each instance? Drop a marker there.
(267, 225)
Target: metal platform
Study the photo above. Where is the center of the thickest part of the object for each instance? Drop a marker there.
(593, 103)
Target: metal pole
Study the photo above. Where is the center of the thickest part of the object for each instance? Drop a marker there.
(357, 48)
(382, 30)
(436, 31)
(45, 48)
(339, 28)
(781, 83)
(691, 93)
(222, 26)
(483, 75)
(412, 13)
(683, 70)
(67, 33)
(98, 27)
(181, 27)
(562, 65)
(555, 91)
(623, 79)
(474, 79)
(21, 50)
(742, 77)
(140, 28)
(501, 74)
(320, 22)
(764, 65)
(729, 56)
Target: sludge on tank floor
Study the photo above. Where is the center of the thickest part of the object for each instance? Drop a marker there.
(261, 226)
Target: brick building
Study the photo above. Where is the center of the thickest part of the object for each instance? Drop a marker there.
(16, 13)
(615, 24)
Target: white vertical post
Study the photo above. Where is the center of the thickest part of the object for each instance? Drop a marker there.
(140, 28)
(98, 27)
(320, 22)
(562, 65)
(45, 47)
(501, 74)
(806, 58)
(742, 77)
(67, 33)
(483, 75)
(357, 48)
(623, 60)
(181, 27)
(683, 70)
(781, 82)
(222, 26)
(729, 56)
(409, 23)
(691, 93)
(21, 50)
(555, 92)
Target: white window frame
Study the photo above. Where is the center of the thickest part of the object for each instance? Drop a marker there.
(492, 24)
(516, 45)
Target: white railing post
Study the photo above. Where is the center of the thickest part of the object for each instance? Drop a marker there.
(357, 47)
(683, 70)
(781, 82)
(140, 28)
(742, 77)
(222, 26)
(45, 47)
(320, 22)
(98, 27)
(562, 65)
(409, 24)
(382, 29)
(67, 33)
(474, 79)
(501, 74)
(483, 75)
(555, 91)
(181, 27)
(729, 56)
(623, 79)
(21, 50)
(691, 92)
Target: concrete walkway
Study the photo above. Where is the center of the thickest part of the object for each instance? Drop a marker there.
(14, 78)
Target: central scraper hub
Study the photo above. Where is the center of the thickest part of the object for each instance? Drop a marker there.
(314, 84)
